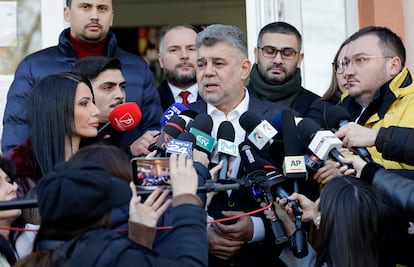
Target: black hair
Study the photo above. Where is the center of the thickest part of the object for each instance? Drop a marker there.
(113, 159)
(8, 167)
(170, 27)
(350, 223)
(91, 66)
(389, 42)
(280, 27)
(51, 106)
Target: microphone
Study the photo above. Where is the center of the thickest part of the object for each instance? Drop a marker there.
(256, 166)
(183, 144)
(122, 118)
(262, 176)
(188, 115)
(322, 143)
(201, 128)
(261, 131)
(226, 147)
(298, 241)
(277, 121)
(169, 131)
(338, 116)
(171, 111)
(294, 162)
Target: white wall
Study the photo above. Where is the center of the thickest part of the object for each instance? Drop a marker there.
(323, 25)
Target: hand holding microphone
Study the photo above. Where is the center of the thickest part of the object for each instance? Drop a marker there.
(337, 117)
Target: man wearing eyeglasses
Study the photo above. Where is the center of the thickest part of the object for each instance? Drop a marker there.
(276, 74)
(380, 88)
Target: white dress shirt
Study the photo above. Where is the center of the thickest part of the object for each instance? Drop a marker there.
(193, 89)
(233, 116)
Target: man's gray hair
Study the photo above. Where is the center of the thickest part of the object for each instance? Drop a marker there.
(217, 33)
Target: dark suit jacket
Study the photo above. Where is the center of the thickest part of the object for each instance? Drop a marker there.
(301, 103)
(166, 96)
(263, 109)
(251, 254)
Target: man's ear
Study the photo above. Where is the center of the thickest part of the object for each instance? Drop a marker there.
(66, 14)
(395, 66)
(256, 55)
(246, 66)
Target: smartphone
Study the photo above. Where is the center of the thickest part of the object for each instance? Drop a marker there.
(150, 172)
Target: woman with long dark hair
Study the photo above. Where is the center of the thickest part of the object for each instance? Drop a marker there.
(61, 111)
(348, 216)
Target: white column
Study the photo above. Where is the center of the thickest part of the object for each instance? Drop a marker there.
(258, 14)
(52, 21)
(408, 10)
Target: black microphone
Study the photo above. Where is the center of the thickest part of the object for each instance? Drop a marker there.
(188, 115)
(294, 161)
(261, 132)
(338, 116)
(226, 147)
(262, 176)
(312, 162)
(169, 131)
(201, 128)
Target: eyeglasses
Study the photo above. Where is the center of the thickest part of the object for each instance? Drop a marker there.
(271, 52)
(358, 60)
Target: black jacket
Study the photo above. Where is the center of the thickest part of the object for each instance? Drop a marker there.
(166, 96)
(100, 248)
(396, 191)
(396, 143)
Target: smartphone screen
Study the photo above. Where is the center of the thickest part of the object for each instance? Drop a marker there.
(150, 172)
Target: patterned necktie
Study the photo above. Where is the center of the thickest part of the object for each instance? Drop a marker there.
(184, 95)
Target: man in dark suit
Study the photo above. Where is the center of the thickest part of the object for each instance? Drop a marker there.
(276, 74)
(177, 58)
(222, 67)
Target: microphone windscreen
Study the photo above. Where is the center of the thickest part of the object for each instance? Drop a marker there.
(174, 126)
(226, 131)
(290, 137)
(125, 117)
(248, 121)
(277, 122)
(306, 130)
(189, 113)
(186, 136)
(174, 109)
(335, 114)
(203, 122)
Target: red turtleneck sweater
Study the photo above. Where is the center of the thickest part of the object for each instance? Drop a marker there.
(84, 49)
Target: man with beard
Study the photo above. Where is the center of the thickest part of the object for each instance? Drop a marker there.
(177, 57)
(276, 76)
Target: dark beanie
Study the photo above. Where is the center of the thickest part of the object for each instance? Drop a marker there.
(78, 194)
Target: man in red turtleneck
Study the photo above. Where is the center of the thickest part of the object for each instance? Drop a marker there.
(89, 35)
